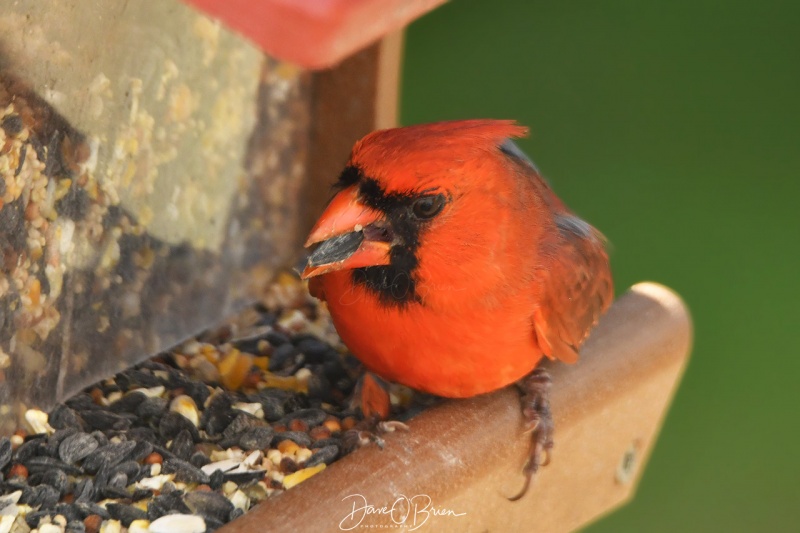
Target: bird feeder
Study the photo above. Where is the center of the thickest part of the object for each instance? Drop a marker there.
(157, 168)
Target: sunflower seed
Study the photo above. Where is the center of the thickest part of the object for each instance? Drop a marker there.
(75, 447)
(125, 513)
(5, 451)
(209, 505)
(108, 456)
(184, 471)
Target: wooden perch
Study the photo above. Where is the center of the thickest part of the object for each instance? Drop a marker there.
(356, 97)
(466, 456)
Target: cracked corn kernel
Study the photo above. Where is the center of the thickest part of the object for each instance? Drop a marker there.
(301, 475)
(233, 368)
(288, 447)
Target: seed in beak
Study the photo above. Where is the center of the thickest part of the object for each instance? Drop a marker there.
(336, 249)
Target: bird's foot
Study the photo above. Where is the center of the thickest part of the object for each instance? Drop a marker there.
(370, 431)
(535, 399)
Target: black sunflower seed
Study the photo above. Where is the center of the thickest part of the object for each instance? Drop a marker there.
(250, 344)
(209, 505)
(282, 356)
(81, 401)
(242, 422)
(128, 403)
(129, 468)
(195, 390)
(30, 448)
(141, 494)
(43, 496)
(295, 402)
(75, 526)
(216, 479)
(55, 478)
(165, 453)
(142, 449)
(270, 404)
(182, 445)
(5, 451)
(67, 511)
(319, 386)
(330, 441)
(298, 437)
(101, 479)
(333, 369)
(218, 415)
(85, 509)
(117, 480)
(12, 124)
(151, 408)
(184, 471)
(125, 513)
(141, 434)
(257, 438)
(166, 503)
(54, 440)
(276, 338)
(44, 463)
(108, 456)
(100, 437)
(141, 378)
(84, 490)
(212, 524)
(114, 493)
(104, 420)
(315, 350)
(336, 248)
(33, 518)
(243, 478)
(145, 470)
(173, 423)
(199, 459)
(77, 446)
(326, 454)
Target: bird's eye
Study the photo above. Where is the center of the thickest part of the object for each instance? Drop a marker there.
(428, 206)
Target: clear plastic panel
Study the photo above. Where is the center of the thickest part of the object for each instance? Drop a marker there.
(151, 164)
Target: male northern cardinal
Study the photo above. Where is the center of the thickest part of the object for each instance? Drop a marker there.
(450, 266)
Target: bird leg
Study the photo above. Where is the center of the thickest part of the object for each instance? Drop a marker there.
(535, 388)
(373, 399)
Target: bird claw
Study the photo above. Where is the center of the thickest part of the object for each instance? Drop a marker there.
(365, 437)
(369, 431)
(538, 424)
(531, 423)
(390, 426)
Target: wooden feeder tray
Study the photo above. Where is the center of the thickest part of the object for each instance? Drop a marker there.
(466, 455)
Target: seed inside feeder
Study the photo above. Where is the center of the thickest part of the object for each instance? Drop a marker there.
(163, 449)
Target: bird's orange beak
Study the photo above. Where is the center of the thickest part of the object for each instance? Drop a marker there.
(350, 235)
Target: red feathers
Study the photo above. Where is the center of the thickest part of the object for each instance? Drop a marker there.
(449, 265)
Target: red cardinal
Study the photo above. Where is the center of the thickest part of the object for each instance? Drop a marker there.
(450, 266)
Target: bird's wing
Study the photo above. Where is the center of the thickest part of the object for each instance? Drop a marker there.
(577, 289)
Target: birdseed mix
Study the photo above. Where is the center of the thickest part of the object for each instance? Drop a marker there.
(192, 438)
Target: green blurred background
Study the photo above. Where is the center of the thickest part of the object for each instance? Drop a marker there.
(673, 127)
